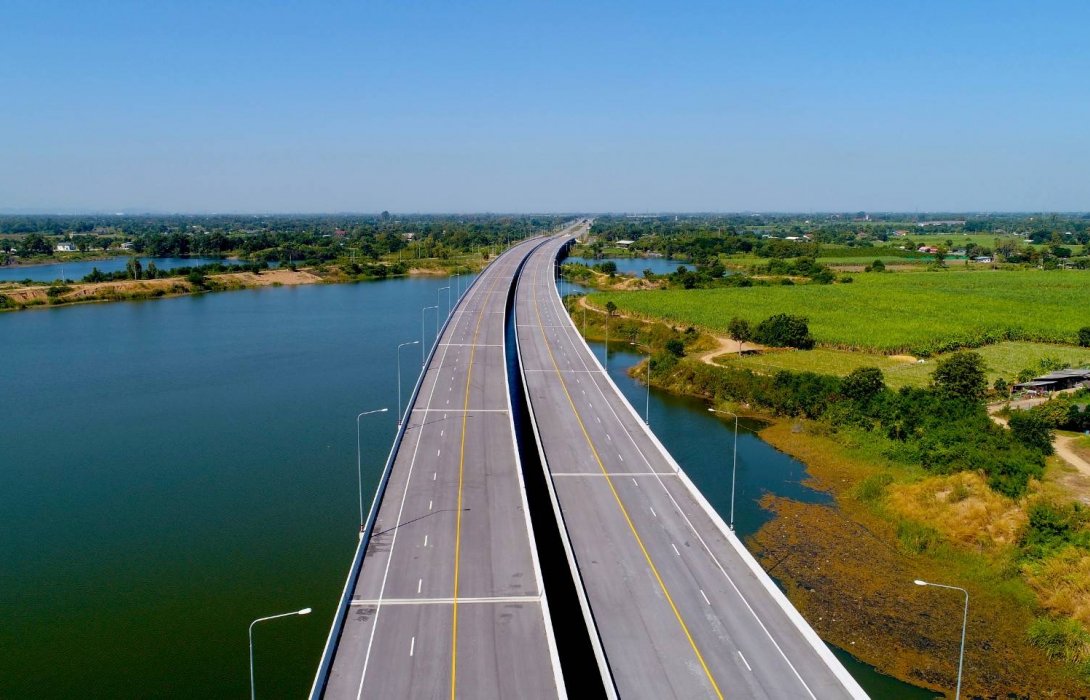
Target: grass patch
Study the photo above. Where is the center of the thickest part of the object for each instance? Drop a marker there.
(923, 313)
(1061, 640)
(1004, 360)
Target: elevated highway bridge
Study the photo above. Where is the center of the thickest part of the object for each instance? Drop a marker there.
(446, 596)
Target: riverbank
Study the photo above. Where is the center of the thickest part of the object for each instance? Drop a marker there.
(847, 570)
(15, 296)
(23, 297)
(849, 567)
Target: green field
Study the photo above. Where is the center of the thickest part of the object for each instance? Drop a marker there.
(1004, 360)
(920, 313)
(875, 254)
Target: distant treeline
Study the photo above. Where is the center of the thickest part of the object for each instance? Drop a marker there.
(1042, 240)
(274, 237)
(135, 270)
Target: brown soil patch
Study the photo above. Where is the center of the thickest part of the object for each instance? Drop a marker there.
(962, 508)
(842, 567)
(171, 286)
(857, 592)
(1069, 479)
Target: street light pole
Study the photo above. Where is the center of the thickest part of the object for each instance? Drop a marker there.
(304, 611)
(647, 401)
(422, 343)
(415, 342)
(607, 344)
(734, 469)
(437, 301)
(964, 624)
(359, 468)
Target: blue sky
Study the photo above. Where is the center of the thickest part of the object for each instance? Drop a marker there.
(236, 106)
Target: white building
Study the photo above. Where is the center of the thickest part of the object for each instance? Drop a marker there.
(66, 247)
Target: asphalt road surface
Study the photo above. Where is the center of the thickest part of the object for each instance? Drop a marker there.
(449, 600)
(678, 608)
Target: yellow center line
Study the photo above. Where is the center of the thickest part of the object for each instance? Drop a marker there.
(461, 475)
(620, 503)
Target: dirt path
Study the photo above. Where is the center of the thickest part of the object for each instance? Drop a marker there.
(724, 346)
(1061, 444)
(1064, 451)
(1020, 405)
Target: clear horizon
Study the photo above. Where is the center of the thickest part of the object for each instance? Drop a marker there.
(246, 109)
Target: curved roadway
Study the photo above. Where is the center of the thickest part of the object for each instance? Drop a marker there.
(679, 609)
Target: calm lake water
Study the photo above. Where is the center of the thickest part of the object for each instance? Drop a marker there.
(76, 271)
(635, 266)
(173, 469)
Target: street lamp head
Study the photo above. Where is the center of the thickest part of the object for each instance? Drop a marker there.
(304, 611)
(918, 582)
(381, 410)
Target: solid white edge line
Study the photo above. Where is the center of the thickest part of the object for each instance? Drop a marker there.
(550, 638)
(580, 589)
(349, 579)
(405, 493)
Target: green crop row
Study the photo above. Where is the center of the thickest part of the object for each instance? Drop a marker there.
(922, 313)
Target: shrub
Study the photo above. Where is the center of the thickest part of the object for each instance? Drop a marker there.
(863, 384)
(56, 290)
(1084, 336)
(873, 487)
(196, 278)
(915, 537)
(784, 330)
(1052, 527)
(961, 375)
(1060, 639)
(675, 347)
(1031, 429)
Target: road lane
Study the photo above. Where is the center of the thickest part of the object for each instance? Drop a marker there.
(678, 609)
(449, 601)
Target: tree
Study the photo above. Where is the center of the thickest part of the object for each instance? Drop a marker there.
(196, 278)
(863, 384)
(1031, 429)
(961, 375)
(1084, 336)
(611, 308)
(739, 330)
(34, 244)
(784, 330)
(675, 347)
(877, 266)
(133, 268)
